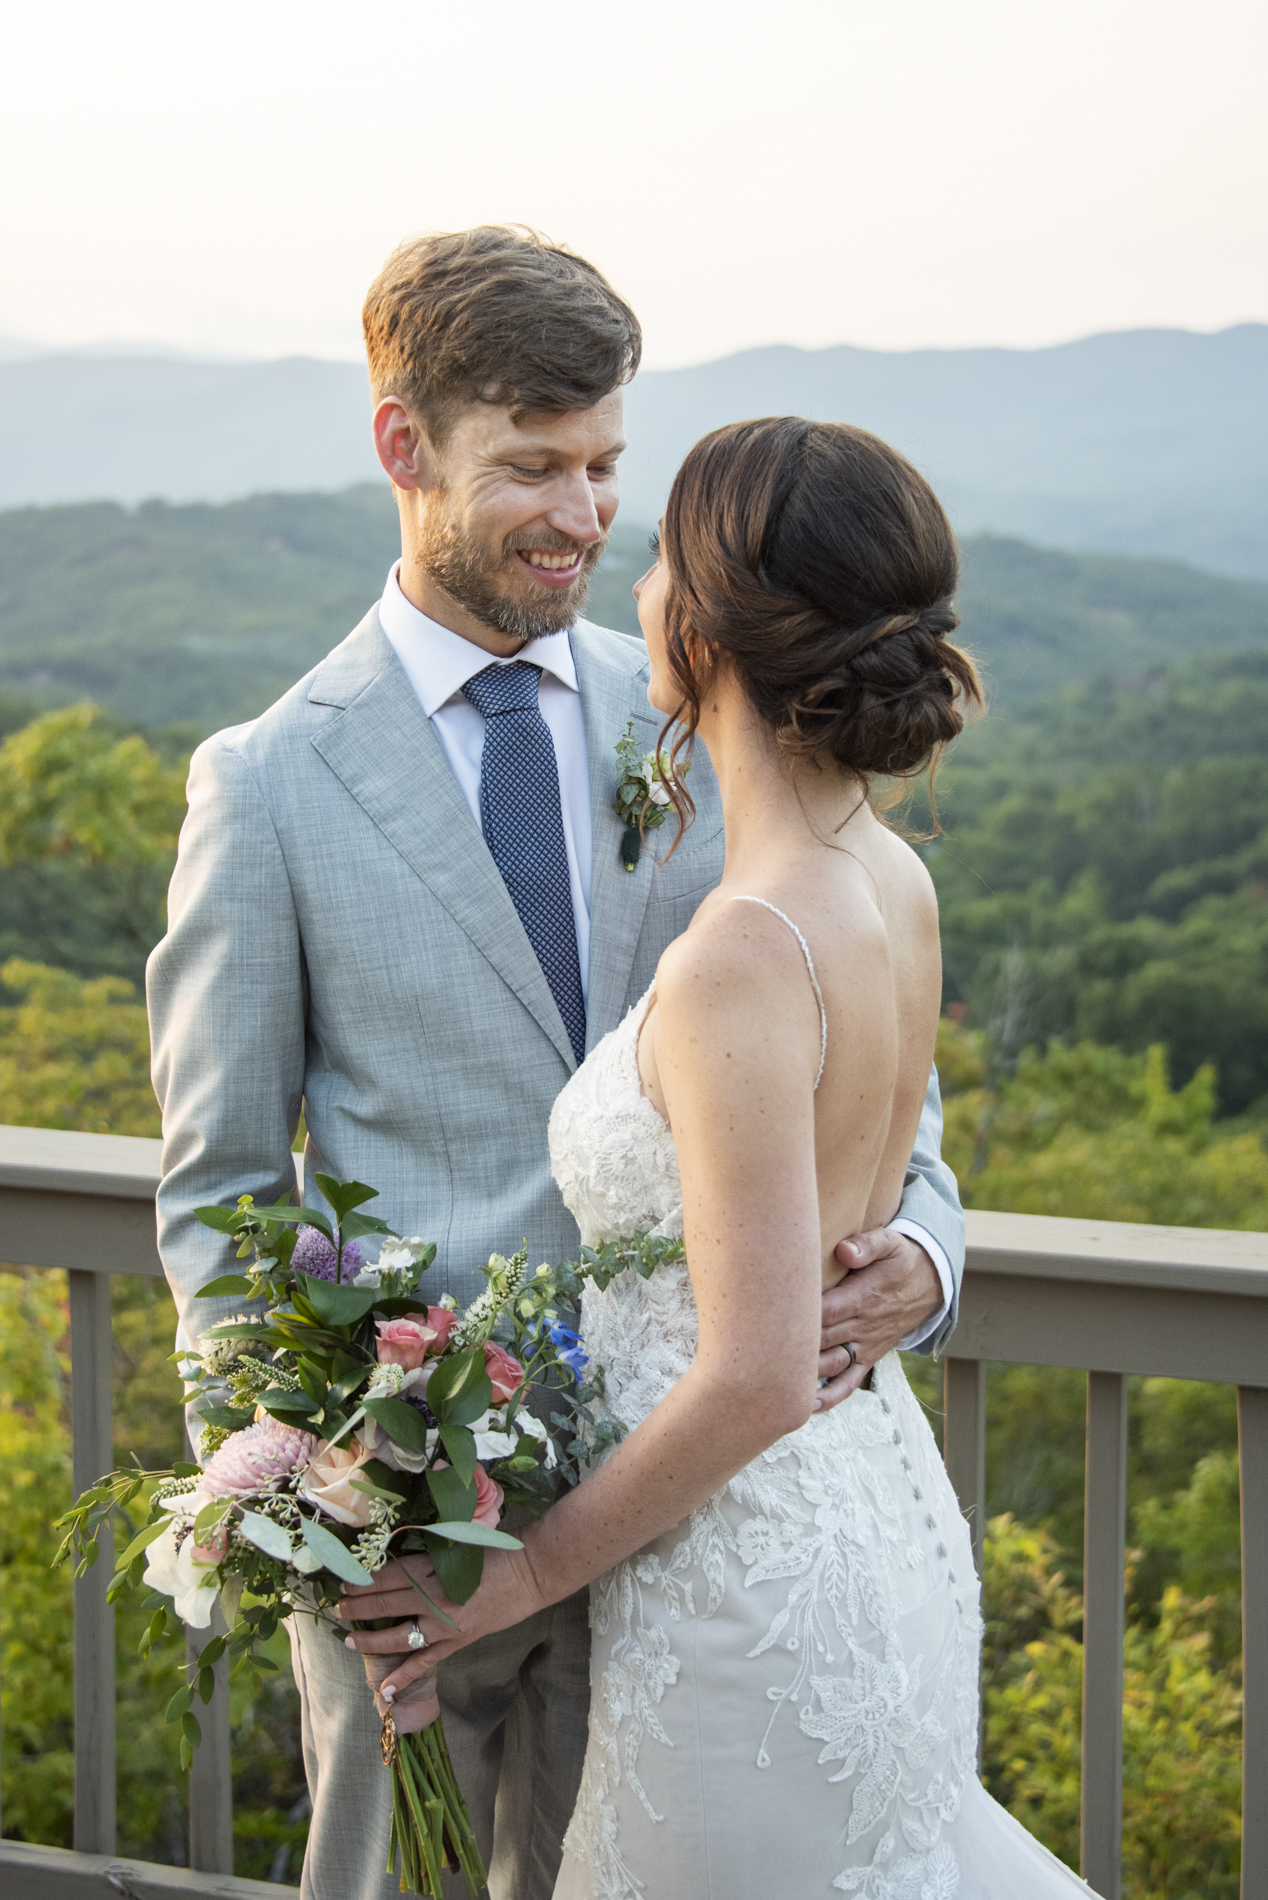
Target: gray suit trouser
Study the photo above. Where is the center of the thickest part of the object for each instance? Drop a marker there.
(515, 1707)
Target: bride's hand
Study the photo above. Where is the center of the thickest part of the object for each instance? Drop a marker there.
(403, 1679)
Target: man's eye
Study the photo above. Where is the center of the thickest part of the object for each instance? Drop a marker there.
(534, 474)
(601, 470)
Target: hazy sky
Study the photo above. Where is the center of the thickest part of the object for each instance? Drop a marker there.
(893, 173)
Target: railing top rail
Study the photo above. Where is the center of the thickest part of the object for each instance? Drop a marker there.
(1042, 1246)
(63, 1161)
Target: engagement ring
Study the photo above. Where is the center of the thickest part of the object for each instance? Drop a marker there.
(853, 1352)
(417, 1640)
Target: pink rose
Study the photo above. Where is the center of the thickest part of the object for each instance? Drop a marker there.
(407, 1342)
(505, 1373)
(327, 1483)
(488, 1498)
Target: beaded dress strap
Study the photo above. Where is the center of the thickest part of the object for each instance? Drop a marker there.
(744, 898)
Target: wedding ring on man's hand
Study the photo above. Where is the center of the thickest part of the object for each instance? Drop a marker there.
(416, 1639)
(854, 1354)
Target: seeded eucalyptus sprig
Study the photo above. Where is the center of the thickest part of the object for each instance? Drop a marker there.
(642, 799)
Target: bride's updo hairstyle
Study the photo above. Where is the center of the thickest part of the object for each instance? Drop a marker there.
(822, 565)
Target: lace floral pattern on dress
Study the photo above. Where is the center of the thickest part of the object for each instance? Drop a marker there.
(830, 1529)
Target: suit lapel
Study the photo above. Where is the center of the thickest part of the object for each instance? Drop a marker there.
(384, 751)
(613, 682)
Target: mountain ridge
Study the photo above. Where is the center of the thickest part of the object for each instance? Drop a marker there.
(1142, 442)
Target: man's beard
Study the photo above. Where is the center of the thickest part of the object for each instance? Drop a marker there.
(463, 569)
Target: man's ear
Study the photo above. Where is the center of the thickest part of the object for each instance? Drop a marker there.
(403, 446)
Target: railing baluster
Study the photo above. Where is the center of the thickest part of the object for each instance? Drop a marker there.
(964, 1441)
(210, 1776)
(1104, 1558)
(92, 1457)
(1252, 1437)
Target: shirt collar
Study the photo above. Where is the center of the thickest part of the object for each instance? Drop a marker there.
(439, 663)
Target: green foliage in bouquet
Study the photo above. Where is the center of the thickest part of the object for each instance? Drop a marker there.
(343, 1421)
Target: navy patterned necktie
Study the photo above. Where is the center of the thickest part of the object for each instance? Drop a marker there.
(523, 827)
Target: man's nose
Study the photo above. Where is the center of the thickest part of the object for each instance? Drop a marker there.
(573, 511)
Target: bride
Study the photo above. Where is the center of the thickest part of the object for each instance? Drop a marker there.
(784, 1607)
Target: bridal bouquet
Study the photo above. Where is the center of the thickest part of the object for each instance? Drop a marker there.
(342, 1422)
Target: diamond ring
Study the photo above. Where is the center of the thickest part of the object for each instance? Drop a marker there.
(416, 1639)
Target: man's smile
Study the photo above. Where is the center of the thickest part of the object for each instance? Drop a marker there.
(553, 569)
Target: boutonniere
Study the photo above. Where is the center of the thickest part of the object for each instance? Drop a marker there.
(642, 799)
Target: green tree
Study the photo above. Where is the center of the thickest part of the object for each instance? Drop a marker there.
(74, 1054)
(89, 815)
(1181, 1724)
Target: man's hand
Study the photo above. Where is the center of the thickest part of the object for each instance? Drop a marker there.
(891, 1286)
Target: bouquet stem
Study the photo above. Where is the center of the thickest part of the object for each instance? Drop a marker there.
(431, 1829)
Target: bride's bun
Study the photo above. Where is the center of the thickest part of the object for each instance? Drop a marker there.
(823, 565)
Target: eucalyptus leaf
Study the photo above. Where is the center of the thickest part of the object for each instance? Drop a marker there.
(461, 1533)
(266, 1535)
(335, 1556)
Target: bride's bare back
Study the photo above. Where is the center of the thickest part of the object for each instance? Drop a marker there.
(865, 906)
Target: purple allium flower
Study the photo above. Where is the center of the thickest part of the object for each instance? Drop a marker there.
(257, 1459)
(314, 1254)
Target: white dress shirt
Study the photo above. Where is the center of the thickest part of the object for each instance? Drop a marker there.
(438, 665)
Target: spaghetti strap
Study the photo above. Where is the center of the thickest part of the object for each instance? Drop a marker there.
(744, 898)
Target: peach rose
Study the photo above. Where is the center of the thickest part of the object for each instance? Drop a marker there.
(327, 1482)
(407, 1342)
(505, 1373)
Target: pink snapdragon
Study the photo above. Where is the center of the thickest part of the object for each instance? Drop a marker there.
(407, 1342)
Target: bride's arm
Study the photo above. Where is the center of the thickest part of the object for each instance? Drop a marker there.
(737, 1048)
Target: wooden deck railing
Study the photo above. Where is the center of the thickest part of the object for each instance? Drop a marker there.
(1103, 1297)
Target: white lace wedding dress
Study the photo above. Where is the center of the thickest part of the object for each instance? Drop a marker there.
(785, 1685)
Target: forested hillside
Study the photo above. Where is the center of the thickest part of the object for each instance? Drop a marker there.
(204, 614)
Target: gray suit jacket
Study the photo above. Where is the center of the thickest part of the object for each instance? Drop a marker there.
(340, 941)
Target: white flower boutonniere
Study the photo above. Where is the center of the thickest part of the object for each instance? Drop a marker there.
(642, 799)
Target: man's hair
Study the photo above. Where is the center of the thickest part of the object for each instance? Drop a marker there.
(498, 315)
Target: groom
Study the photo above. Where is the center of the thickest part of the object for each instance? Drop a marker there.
(400, 909)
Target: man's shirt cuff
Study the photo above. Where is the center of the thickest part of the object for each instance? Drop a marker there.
(942, 1267)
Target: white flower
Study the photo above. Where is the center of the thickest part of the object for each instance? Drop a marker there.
(449, 1303)
(395, 1256)
(659, 794)
(184, 1504)
(171, 1568)
(490, 1442)
(369, 1276)
(532, 1427)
